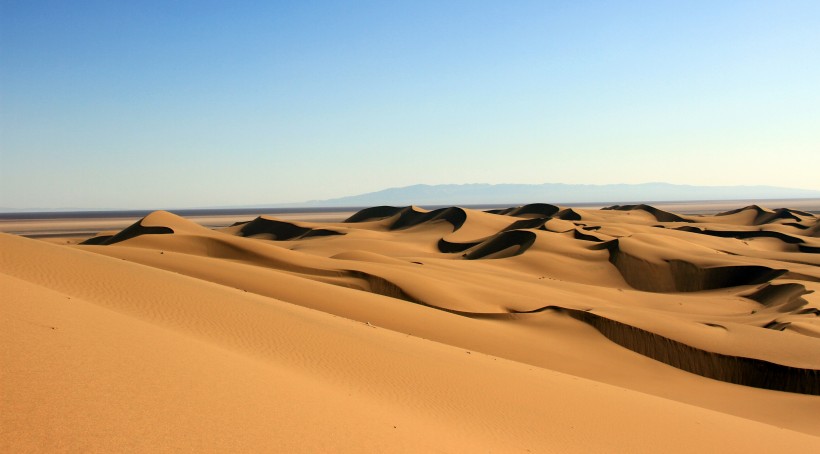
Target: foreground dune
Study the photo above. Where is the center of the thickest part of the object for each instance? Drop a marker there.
(531, 329)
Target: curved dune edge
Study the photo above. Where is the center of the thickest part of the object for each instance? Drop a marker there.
(506, 244)
(132, 231)
(744, 234)
(732, 369)
(157, 223)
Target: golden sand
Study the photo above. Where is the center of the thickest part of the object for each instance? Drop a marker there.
(531, 329)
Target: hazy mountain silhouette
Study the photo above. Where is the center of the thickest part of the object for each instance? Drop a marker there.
(510, 194)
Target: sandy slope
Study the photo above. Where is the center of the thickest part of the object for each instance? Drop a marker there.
(541, 329)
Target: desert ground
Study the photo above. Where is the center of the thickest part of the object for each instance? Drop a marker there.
(535, 328)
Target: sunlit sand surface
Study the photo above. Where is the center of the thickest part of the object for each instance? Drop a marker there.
(537, 328)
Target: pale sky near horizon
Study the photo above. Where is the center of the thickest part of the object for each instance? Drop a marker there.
(162, 104)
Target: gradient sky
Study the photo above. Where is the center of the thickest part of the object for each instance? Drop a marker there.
(170, 104)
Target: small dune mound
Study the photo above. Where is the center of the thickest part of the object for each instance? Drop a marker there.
(505, 244)
(753, 208)
(132, 231)
(660, 215)
(568, 214)
(536, 210)
(156, 223)
(411, 217)
(374, 213)
(784, 214)
(281, 230)
(651, 274)
(757, 215)
(784, 298)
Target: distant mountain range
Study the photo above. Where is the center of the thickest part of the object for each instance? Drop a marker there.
(511, 194)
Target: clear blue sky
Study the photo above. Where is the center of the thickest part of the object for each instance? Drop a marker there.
(163, 104)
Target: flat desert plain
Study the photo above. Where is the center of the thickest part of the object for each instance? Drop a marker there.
(536, 328)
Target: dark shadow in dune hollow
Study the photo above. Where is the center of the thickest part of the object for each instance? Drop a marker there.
(681, 276)
(282, 231)
(132, 231)
(732, 369)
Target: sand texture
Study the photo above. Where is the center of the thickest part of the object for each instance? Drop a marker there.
(537, 328)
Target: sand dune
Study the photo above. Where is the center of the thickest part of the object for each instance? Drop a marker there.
(528, 329)
(660, 215)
